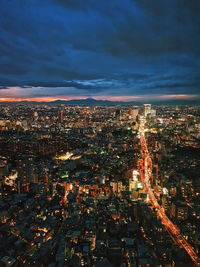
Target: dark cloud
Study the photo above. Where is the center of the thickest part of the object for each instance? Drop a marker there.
(12, 68)
(77, 4)
(117, 46)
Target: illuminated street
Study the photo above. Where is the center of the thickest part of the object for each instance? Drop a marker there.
(145, 167)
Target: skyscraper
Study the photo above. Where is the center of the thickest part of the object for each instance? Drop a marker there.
(60, 116)
(147, 109)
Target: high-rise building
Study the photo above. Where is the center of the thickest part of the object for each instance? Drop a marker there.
(116, 186)
(130, 111)
(117, 114)
(60, 116)
(147, 109)
(35, 116)
(27, 172)
(153, 113)
(133, 113)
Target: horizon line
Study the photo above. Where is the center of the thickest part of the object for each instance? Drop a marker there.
(124, 99)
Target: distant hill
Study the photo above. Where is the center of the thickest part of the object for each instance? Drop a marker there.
(94, 102)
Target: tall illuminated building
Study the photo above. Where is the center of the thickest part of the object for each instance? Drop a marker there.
(60, 116)
(147, 109)
(130, 111)
(35, 116)
(135, 113)
(27, 172)
(153, 113)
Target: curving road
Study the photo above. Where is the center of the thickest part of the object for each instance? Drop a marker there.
(145, 168)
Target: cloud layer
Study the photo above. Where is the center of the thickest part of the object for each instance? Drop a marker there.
(99, 48)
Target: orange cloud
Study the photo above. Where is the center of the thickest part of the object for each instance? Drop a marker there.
(37, 99)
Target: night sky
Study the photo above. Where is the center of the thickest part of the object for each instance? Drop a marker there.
(105, 49)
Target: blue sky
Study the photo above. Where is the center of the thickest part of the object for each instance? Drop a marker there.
(116, 49)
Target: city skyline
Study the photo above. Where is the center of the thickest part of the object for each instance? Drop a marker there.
(99, 185)
(117, 50)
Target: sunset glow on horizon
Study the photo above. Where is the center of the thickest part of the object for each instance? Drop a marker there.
(110, 98)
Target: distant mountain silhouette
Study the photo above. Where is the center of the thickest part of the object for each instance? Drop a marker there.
(94, 102)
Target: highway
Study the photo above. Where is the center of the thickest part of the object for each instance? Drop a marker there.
(145, 168)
